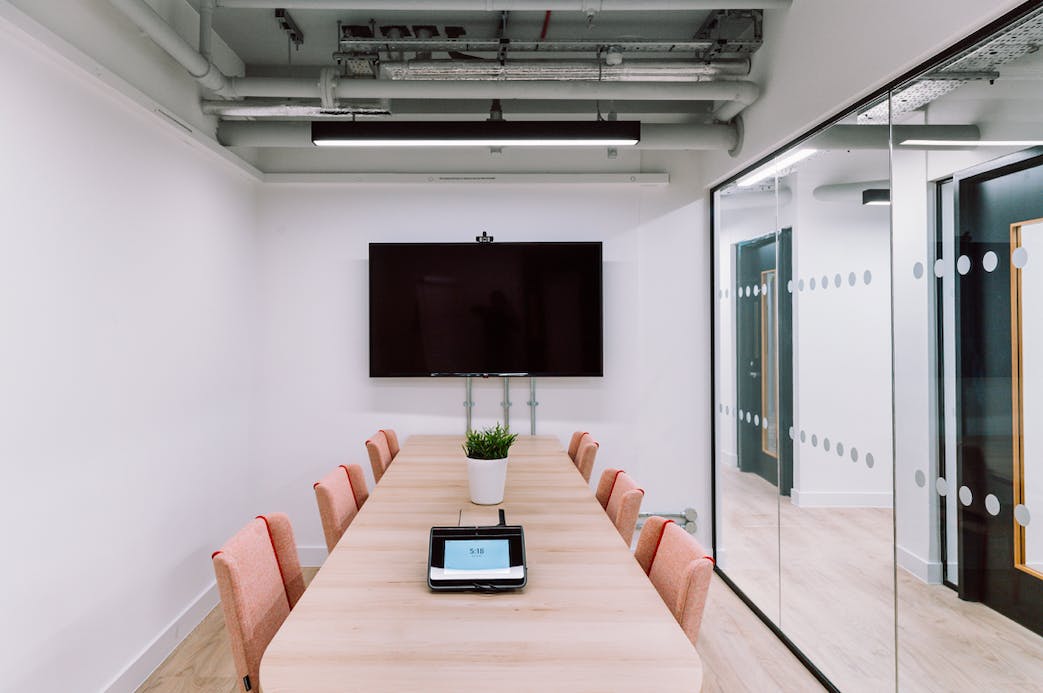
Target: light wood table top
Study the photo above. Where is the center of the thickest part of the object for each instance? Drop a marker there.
(588, 620)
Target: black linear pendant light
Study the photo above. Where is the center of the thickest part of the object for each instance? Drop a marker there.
(490, 133)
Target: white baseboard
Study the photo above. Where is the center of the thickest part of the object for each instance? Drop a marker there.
(831, 499)
(135, 673)
(728, 459)
(163, 644)
(927, 571)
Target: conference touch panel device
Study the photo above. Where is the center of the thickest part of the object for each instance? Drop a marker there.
(484, 559)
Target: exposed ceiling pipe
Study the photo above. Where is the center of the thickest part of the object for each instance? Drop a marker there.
(879, 136)
(509, 5)
(298, 134)
(156, 28)
(206, 23)
(630, 71)
(736, 94)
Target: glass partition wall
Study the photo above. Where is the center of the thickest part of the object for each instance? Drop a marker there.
(877, 482)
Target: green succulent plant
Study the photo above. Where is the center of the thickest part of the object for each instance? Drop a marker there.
(490, 443)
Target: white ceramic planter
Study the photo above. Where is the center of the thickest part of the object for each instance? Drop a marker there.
(486, 479)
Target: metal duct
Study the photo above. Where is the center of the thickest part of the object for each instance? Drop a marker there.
(584, 6)
(736, 95)
(156, 28)
(298, 134)
(630, 71)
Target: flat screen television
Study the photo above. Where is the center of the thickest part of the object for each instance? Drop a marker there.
(443, 309)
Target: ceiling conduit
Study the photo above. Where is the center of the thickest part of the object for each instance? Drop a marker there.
(298, 134)
(736, 94)
(630, 71)
(156, 28)
(584, 6)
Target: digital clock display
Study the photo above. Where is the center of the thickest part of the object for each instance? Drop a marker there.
(477, 554)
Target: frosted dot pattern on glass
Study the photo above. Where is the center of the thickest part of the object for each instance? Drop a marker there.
(791, 432)
(825, 282)
(800, 285)
(814, 440)
(747, 417)
(825, 444)
(726, 409)
(764, 423)
(1019, 258)
(789, 286)
(963, 264)
(869, 460)
(990, 261)
(867, 277)
(756, 419)
(764, 289)
(918, 270)
(992, 504)
(803, 436)
(852, 279)
(920, 478)
(840, 449)
(939, 267)
(837, 280)
(757, 290)
(966, 497)
(854, 454)
(811, 284)
(941, 486)
(741, 413)
(1022, 515)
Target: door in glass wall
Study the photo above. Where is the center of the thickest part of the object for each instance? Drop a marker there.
(999, 332)
(967, 200)
(761, 330)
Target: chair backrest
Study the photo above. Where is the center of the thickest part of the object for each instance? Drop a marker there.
(379, 454)
(260, 580)
(680, 569)
(340, 495)
(574, 444)
(624, 504)
(392, 439)
(605, 484)
(585, 454)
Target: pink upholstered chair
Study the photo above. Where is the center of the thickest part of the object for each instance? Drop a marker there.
(680, 569)
(260, 580)
(605, 484)
(574, 443)
(624, 504)
(392, 439)
(585, 454)
(340, 495)
(379, 454)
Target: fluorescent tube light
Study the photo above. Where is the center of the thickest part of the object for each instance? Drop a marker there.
(972, 143)
(773, 167)
(616, 133)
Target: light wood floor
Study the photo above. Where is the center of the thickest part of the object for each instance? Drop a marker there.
(739, 654)
(837, 587)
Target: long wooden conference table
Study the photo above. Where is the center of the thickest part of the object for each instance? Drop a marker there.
(588, 620)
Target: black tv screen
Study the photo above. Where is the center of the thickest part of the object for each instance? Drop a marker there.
(485, 309)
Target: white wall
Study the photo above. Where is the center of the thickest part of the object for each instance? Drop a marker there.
(318, 405)
(126, 267)
(842, 336)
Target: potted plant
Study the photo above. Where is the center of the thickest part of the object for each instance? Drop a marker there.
(486, 452)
